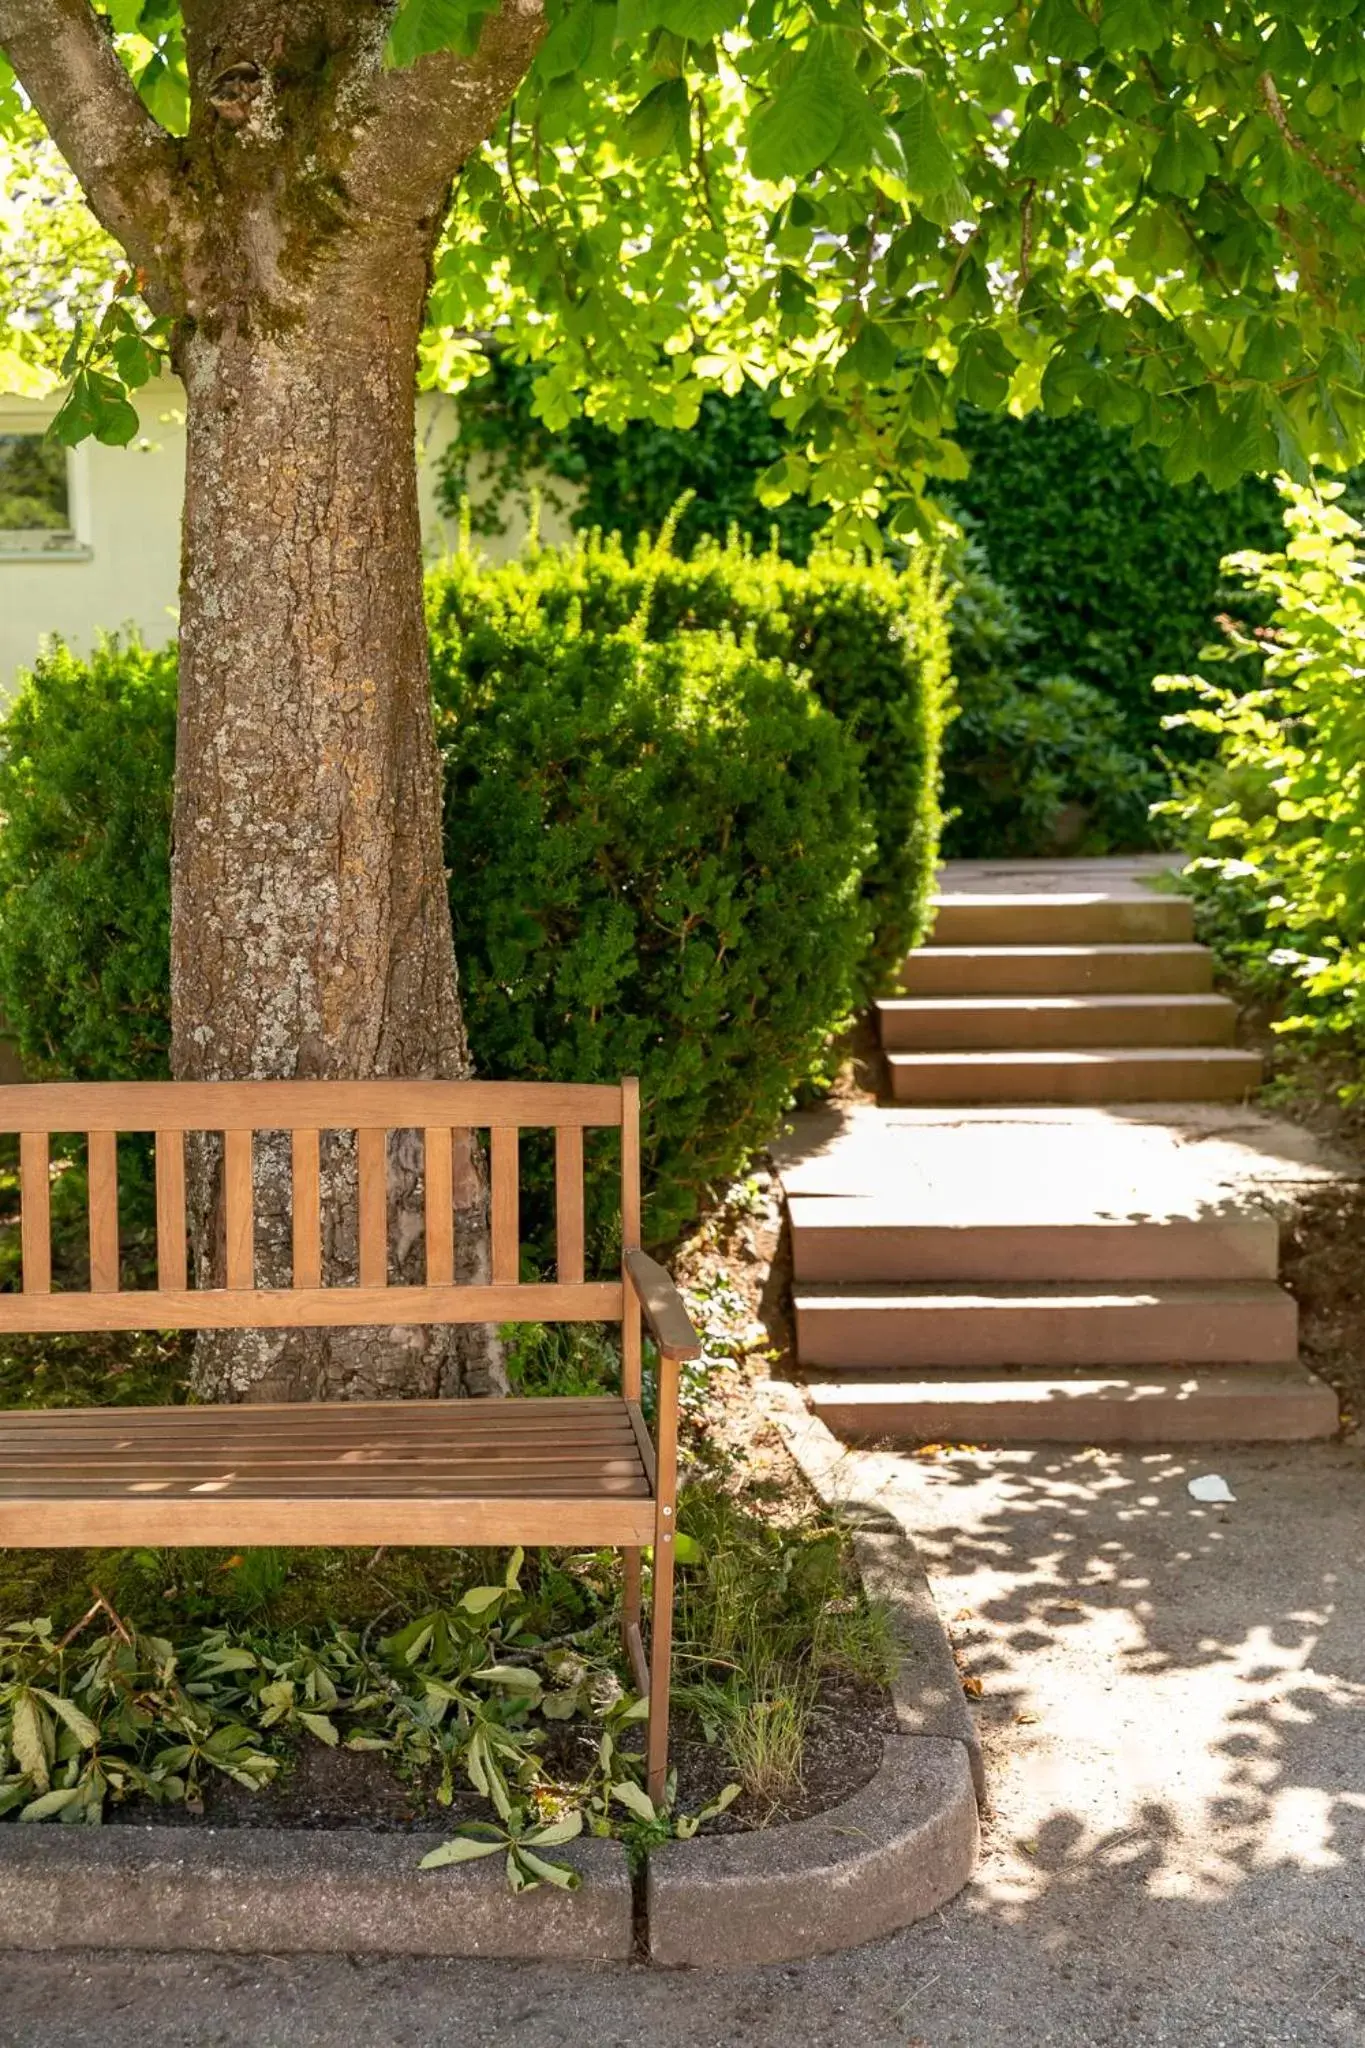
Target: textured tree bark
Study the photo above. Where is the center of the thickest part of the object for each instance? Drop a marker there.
(310, 924)
(290, 234)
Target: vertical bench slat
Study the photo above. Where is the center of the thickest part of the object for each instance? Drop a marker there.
(569, 1203)
(102, 1162)
(438, 1175)
(505, 1151)
(239, 1210)
(373, 1150)
(35, 1213)
(171, 1262)
(630, 1234)
(307, 1204)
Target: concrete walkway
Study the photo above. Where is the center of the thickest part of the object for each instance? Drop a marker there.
(1173, 1702)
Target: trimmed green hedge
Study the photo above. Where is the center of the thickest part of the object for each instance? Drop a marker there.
(659, 837)
(656, 854)
(1033, 765)
(873, 641)
(85, 799)
(1116, 571)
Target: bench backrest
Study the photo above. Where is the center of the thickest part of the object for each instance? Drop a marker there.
(443, 1111)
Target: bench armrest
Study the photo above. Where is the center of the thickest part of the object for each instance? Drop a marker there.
(665, 1317)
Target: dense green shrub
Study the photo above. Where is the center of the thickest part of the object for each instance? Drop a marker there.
(1032, 765)
(1116, 570)
(656, 852)
(656, 856)
(85, 795)
(1276, 823)
(873, 640)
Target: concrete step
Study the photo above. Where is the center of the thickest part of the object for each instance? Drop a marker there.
(899, 1327)
(1094, 1074)
(879, 1240)
(966, 1023)
(1057, 970)
(1073, 919)
(1278, 1405)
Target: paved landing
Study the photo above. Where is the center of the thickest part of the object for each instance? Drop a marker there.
(997, 1166)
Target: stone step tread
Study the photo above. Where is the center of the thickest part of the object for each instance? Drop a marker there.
(1279, 1404)
(1010, 1210)
(1104, 1004)
(1009, 1296)
(1076, 1055)
(1161, 949)
(1136, 966)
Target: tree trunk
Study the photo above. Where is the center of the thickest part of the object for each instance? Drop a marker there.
(288, 236)
(310, 923)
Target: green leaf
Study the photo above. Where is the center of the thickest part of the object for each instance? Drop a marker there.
(479, 1599)
(1044, 149)
(95, 405)
(512, 1677)
(322, 1727)
(1186, 158)
(566, 48)
(558, 1874)
(797, 129)
(81, 1726)
(423, 26)
(1133, 25)
(1060, 28)
(50, 1803)
(629, 1795)
(26, 1739)
(660, 121)
(555, 1832)
(462, 1850)
(699, 20)
(872, 358)
(929, 165)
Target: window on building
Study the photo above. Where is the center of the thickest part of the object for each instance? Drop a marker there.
(34, 507)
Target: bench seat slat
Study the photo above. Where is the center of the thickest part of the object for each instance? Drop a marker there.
(93, 1476)
(223, 1308)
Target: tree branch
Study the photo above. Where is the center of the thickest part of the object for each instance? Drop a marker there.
(125, 161)
(430, 118)
(1333, 172)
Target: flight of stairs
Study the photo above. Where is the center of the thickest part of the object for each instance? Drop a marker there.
(1037, 1280)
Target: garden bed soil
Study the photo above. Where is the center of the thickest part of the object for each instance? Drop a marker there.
(347, 1788)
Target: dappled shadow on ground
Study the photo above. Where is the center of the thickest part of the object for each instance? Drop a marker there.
(1172, 1694)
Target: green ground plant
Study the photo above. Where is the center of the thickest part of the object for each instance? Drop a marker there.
(159, 1671)
(1273, 821)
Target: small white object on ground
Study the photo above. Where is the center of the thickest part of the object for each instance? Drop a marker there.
(1211, 1486)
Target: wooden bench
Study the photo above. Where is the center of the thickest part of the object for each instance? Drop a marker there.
(538, 1471)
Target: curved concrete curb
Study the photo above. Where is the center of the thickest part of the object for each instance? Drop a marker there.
(284, 1891)
(897, 1849)
(888, 1855)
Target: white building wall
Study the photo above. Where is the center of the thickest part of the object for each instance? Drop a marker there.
(123, 567)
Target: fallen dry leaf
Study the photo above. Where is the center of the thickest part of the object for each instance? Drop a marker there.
(971, 1685)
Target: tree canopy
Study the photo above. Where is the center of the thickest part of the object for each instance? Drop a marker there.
(1149, 210)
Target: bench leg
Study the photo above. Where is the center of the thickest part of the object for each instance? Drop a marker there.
(661, 1605)
(631, 1616)
(660, 1663)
